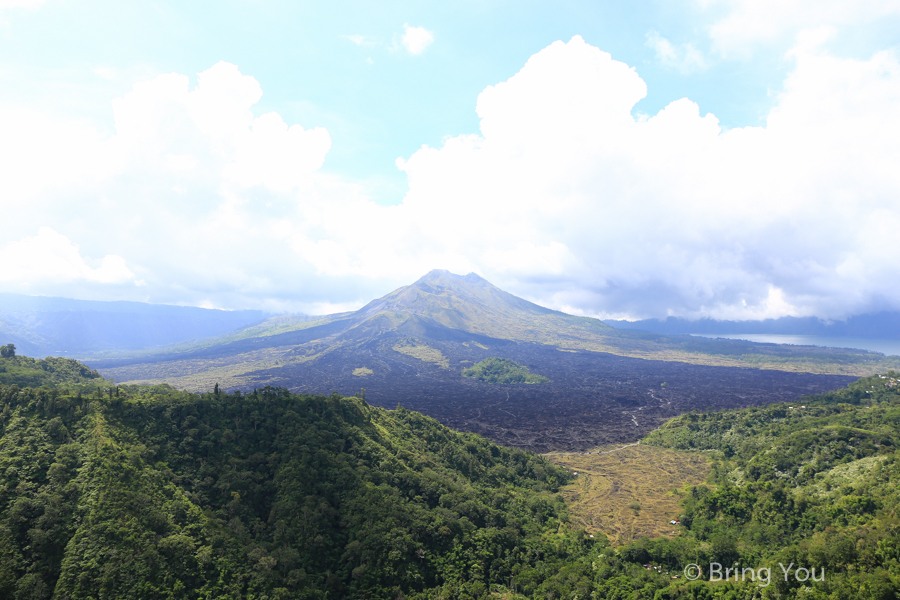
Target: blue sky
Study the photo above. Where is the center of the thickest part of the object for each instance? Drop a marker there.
(377, 103)
(374, 84)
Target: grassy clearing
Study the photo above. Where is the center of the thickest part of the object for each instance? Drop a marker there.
(423, 352)
(632, 492)
(363, 371)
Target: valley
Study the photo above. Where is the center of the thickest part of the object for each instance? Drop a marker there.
(630, 492)
(592, 398)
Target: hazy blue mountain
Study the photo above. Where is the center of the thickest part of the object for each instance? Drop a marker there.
(41, 326)
(881, 325)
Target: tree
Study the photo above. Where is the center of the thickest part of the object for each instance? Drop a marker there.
(8, 351)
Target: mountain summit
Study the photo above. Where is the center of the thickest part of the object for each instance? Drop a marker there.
(469, 303)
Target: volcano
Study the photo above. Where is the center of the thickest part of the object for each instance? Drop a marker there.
(410, 347)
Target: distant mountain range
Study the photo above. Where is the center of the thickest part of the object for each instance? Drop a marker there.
(412, 345)
(44, 326)
(881, 325)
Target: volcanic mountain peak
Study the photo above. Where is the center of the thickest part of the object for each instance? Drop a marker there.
(445, 279)
(471, 303)
(453, 300)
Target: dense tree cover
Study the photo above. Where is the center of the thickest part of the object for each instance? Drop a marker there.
(25, 371)
(149, 492)
(502, 370)
(156, 493)
(816, 484)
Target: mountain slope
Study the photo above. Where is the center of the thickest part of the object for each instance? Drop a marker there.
(25, 371)
(53, 326)
(472, 304)
(811, 485)
(162, 494)
(442, 306)
(438, 304)
(882, 325)
(412, 345)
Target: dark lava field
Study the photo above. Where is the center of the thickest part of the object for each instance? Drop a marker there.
(592, 398)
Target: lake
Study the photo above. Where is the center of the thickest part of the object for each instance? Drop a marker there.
(888, 347)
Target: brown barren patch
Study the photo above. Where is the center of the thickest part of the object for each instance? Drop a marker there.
(611, 485)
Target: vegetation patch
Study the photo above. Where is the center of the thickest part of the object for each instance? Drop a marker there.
(51, 371)
(630, 492)
(363, 371)
(502, 371)
(423, 352)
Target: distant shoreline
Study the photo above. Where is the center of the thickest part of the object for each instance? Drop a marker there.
(885, 346)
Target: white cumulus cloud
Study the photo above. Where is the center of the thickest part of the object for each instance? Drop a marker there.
(191, 185)
(671, 214)
(416, 39)
(563, 195)
(49, 255)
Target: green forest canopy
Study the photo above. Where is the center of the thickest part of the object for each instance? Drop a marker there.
(149, 492)
(25, 371)
(503, 371)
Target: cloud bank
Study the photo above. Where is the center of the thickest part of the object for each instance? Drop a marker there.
(746, 24)
(50, 256)
(564, 196)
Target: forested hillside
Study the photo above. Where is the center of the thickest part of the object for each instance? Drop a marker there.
(149, 492)
(25, 371)
(815, 484)
(157, 493)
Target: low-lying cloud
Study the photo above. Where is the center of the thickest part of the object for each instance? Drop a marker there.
(745, 25)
